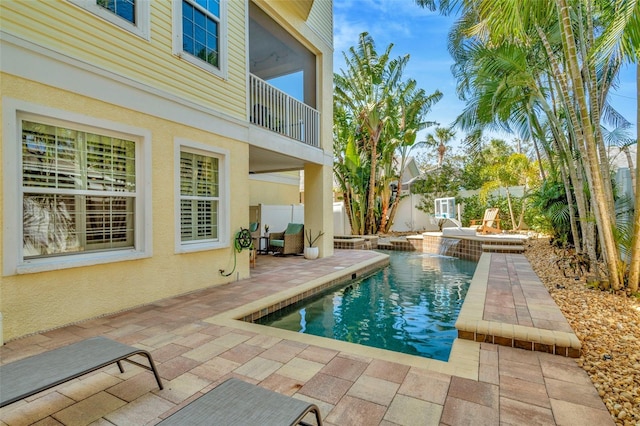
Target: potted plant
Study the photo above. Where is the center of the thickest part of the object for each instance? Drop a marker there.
(312, 252)
(266, 230)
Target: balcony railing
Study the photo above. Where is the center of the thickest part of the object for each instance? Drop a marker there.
(275, 110)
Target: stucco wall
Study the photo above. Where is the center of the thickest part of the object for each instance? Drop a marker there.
(37, 301)
(275, 188)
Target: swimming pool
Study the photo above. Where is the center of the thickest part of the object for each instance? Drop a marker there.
(410, 306)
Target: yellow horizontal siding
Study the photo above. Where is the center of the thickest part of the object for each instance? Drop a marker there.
(321, 19)
(161, 23)
(236, 41)
(65, 28)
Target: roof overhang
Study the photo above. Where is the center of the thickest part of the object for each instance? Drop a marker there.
(272, 152)
(301, 8)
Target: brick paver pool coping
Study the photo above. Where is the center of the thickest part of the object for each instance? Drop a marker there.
(508, 305)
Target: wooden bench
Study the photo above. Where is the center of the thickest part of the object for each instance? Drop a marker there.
(29, 376)
(235, 402)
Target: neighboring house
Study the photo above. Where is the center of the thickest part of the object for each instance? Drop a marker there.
(410, 174)
(623, 163)
(133, 135)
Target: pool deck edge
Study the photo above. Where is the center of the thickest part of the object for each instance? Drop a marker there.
(463, 361)
(533, 323)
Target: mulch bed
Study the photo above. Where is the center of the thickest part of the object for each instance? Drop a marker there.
(607, 324)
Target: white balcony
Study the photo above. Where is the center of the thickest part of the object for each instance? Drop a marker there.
(274, 110)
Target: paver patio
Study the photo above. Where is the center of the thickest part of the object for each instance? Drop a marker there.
(197, 343)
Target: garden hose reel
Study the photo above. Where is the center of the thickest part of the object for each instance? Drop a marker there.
(243, 240)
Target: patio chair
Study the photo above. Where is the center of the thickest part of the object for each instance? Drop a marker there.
(254, 228)
(29, 376)
(489, 224)
(291, 241)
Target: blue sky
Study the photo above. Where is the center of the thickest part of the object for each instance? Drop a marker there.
(423, 35)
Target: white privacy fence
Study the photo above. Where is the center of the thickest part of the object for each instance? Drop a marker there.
(279, 216)
(408, 218)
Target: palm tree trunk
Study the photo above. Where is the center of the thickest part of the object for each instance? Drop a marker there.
(634, 266)
(369, 227)
(632, 170)
(510, 204)
(346, 199)
(596, 98)
(570, 205)
(561, 148)
(587, 225)
(385, 198)
(392, 212)
(584, 131)
(540, 138)
(569, 164)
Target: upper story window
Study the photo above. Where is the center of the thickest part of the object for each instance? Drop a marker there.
(132, 15)
(126, 9)
(199, 33)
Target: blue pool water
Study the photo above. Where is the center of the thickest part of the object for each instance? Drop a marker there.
(411, 306)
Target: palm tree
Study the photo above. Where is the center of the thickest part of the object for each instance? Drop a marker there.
(440, 141)
(569, 32)
(383, 113)
(409, 108)
(634, 266)
(622, 38)
(365, 89)
(507, 86)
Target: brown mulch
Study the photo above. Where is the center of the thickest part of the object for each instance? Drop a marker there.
(607, 324)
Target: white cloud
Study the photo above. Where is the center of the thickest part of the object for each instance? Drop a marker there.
(346, 32)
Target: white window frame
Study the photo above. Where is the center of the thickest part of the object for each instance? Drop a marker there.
(220, 71)
(445, 208)
(14, 111)
(224, 203)
(142, 12)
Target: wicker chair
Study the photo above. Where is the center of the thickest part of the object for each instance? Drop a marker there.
(291, 241)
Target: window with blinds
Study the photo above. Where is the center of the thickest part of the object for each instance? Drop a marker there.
(78, 191)
(199, 197)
